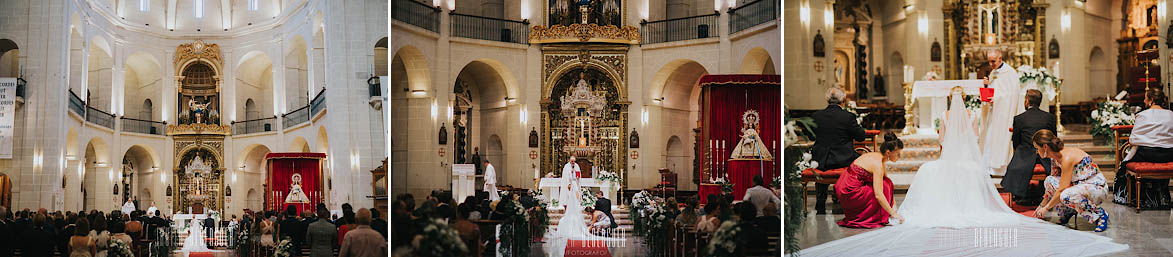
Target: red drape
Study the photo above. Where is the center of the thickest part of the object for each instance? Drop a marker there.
(724, 99)
(743, 172)
(282, 166)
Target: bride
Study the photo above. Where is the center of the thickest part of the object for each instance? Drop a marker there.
(573, 224)
(195, 238)
(952, 208)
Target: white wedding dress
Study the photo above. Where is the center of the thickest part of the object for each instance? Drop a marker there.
(953, 209)
(195, 238)
(573, 224)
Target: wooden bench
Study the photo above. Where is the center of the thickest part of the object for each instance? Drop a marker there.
(1138, 170)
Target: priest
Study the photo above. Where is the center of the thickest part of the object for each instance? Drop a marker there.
(570, 174)
(491, 181)
(1006, 103)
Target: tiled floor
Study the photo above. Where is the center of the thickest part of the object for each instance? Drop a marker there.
(1149, 233)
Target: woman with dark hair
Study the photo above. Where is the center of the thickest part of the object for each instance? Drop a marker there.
(118, 232)
(1152, 141)
(80, 244)
(1075, 185)
(100, 235)
(864, 190)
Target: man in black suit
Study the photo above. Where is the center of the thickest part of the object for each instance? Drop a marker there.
(835, 130)
(604, 205)
(1022, 164)
(209, 227)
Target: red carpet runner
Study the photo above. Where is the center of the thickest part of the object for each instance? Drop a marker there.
(584, 248)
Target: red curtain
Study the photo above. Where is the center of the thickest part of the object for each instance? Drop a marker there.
(725, 99)
(282, 166)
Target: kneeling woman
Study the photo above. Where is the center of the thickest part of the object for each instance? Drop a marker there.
(865, 192)
(1075, 185)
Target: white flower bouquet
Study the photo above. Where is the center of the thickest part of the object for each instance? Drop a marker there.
(609, 177)
(117, 248)
(1108, 114)
(1041, 79)
(851, 107)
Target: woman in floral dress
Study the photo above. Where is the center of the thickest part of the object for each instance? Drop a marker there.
(1075, 185)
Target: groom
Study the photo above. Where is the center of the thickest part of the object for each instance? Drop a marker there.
(1021, 167)
(1005, 104)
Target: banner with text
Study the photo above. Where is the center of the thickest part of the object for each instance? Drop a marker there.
(7, 113)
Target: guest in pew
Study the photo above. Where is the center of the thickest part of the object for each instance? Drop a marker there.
(864, 190)
(1075, 185)
(689, 214)
(1022, 164)
(1152, 141)
(709, 223)
(835, 130)
(321, 235)
(769, 220)
(759, 195)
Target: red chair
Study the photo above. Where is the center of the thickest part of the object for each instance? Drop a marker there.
(832, 176)
(1138, 170)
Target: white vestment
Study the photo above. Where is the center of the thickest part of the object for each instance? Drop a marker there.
(491, 182)
(572, 195)
(1007, 104)
(151, 211)
(127, 207)
(953, 209)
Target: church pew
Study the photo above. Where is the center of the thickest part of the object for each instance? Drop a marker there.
(1138, 170)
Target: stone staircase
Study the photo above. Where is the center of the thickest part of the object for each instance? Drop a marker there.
(622, 216)
(919, 149)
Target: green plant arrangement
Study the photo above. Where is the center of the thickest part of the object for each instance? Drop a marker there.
(794, 215)
(515, 237)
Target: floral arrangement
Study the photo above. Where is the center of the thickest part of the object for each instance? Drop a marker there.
(1108, 114)
(639, 202)
(1038, 78)
(776, 182)
(515, 235)
(931, 75)
(657, 226)
(806, 163)
(117, 248)
(283, 247)
(973, 102)
(610, 177)
(437, 239)
(851, 107)
(588, 198)
(242, 243)
(792, 128)
(724, 183)
(725, 240)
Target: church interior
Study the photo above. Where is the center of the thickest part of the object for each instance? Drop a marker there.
(630, 89)
(226, 110)
(1093, 61)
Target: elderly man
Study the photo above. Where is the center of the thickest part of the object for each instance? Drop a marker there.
(1007, 103)
(835, 130)
(321, 235)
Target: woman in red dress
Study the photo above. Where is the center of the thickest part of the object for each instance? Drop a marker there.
(864, 190)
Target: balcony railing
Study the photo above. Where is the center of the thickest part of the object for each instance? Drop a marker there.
(477, 27)
(253, 126)
(99, 117)
(296, 116)
(702, 26)
(319, 103)
(76, 105)
(752, 14)
(143, 126)
(417, 14)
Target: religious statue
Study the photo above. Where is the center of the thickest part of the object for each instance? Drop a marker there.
(296, 195)
(198, 110)
(751, 145)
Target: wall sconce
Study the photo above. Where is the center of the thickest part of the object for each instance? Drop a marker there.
(909, 7)
(644, 116)
(804, 13)
(419, 92)
(1066, 21)
(451, 5)
(434, 110)
(522, 116)
(732, 3)
(162, 177)
(1161, 9)
(450, 112)
(643, 12)
(525, 10)
(510, 99)
(658, 100)
(828, 15)
(922, 24)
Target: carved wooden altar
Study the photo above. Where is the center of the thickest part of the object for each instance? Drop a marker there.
(198, 135)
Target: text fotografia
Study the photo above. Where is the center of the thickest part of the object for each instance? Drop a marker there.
(609, 238)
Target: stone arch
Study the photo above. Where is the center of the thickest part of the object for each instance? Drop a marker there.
(96, 177)
(299, 144)
(252, 200)
(481, 94)
(100, 75)
(675, 157)
(143, 79)
(380, 57)
(144, 163)
(254, 81)
(895, 76)
(500, 70)
(620, 81)
(1099, 77)
(9, 58)
(253, 158)
(323, 140)
(495, 153)
(77, 57)
(297, 76)
(409, 72)
(757, 61)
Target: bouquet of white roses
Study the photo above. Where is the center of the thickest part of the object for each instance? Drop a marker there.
(588, 198)
(806, 163)
(1040, 79)
(117, 248)
(283, 247)
(610, 177)
(1108, 114)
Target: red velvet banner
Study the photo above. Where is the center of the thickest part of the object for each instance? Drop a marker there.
(743, 172)
(724, 98)
(282, 167)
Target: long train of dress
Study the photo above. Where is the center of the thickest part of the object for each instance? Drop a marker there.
(195, 239)
(953, 209)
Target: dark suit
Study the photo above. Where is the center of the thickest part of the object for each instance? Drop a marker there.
(209, 227)
(604, 205)
(1022, 165)
(835, 131)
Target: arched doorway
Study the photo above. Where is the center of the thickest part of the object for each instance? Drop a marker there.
(757, 61)
(479, 110)
(895, 77)
(9, 59)
(680, 99)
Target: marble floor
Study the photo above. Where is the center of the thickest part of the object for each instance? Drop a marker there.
(1149, 233)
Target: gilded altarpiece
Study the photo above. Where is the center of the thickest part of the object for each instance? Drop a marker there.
(584, 106)
(198, 135)
(1017, 28)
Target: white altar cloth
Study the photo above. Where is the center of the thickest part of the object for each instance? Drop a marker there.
(552, 188)
(931, 95)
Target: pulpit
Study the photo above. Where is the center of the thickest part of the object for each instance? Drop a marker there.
(463, 178)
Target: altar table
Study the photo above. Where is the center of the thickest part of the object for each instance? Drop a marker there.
(932, 95)
(552, 188)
